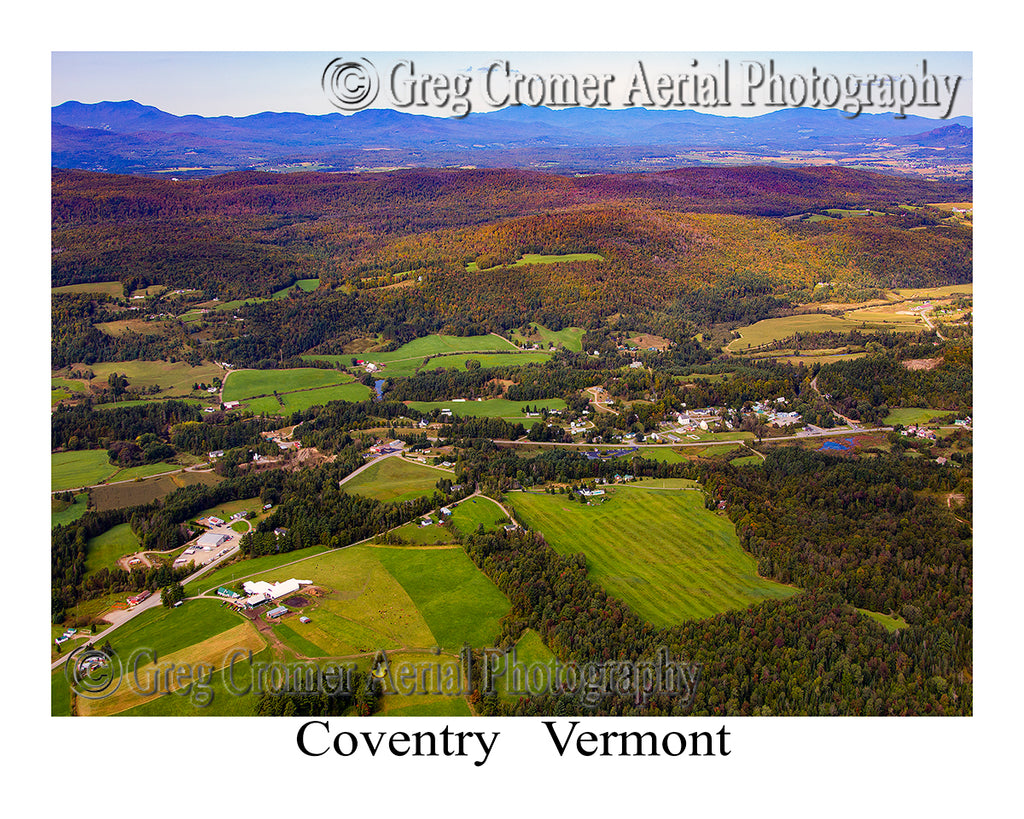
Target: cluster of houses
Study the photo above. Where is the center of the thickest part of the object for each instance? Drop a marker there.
(776, 416)
(67, 635)
(702, 419)
(919, 432)
(383, 448)
(445, 513)
(277, 436)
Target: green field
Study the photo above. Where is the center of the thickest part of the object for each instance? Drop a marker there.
(304, 399)
(660, 551)
(778, 329)
(115, 289)
(64, 388)
(390, 598)
(305, 285)
(200, 631)
(62, 513)
(544, 258)
(297, 389)
(459, 603)
(394, 480)
(490, 408)
(174, 379)
(242, 384)
(571, 337)
(936, 292)
(450, 351)
(82, 467)
(438, 345)
(413, 534)
(913, 415)
(888, 621)
(458, 362)
(104, 550)
(530, 651)
(473, 513)
(120, 404)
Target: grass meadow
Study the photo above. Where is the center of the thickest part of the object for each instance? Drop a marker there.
(660, 551)
(395, 480)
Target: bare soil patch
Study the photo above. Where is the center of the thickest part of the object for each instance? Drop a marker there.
(646, 340)
(922, 363)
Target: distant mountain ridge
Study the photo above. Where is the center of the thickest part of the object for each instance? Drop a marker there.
(129, 137)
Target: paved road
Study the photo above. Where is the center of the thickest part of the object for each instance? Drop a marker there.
(837, 432)
(119, 618)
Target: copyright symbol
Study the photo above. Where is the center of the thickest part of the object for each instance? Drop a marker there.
(350, 84)
(93, 674)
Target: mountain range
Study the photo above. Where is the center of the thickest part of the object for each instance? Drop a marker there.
(128, 137)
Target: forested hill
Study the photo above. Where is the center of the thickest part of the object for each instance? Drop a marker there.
(460, 197)
(660, 236)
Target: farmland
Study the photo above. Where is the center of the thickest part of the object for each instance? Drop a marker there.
(242, 384)
(82, 467)
(64, 388)
(114, 289)
(913, 415)
(777, 329)
(490, 408)
(688, 566)
(198, 632)
(147, 490)
(473, 513)
(295, 389)
(62, 512)
(544, 258)
(174, 379)
(104, 550)
(571, 337)
(394, 480)
(383, 597)
(486, 360)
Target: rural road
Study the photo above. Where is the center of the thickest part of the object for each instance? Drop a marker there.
(827, 433)
(193, 468)
(122, 617)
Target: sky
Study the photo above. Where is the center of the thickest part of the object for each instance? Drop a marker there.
(235, 83)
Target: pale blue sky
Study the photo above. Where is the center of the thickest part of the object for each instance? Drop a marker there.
(241, 83)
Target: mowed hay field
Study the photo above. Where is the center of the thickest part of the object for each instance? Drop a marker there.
(82, 467)
(298, 389)
(914, 415)
(395, 479)
(491, 408)
(174, 379)
(114, 289)
(103, 550)
(660, 551)
(571, 337)
(458, 362)
(392, 598)
(778, 329)
(200, 631)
